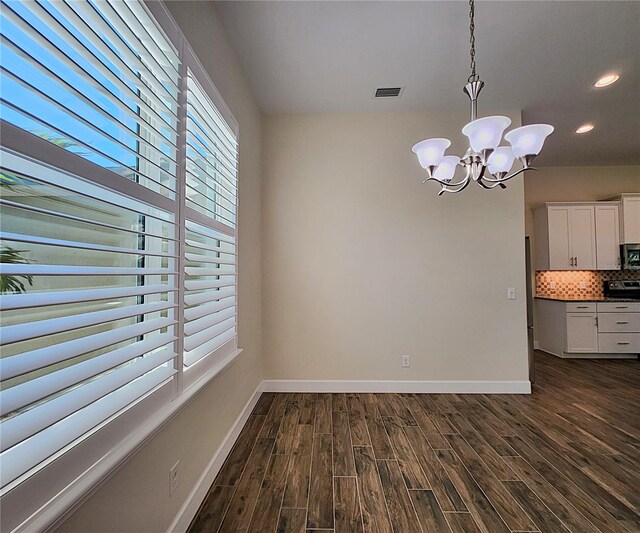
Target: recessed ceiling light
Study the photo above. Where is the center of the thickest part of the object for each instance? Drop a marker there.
(585, 128)
(606, 80)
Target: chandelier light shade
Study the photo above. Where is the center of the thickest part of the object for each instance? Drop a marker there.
(485, 162)
(447, 168)
(486, 133)
(528, 140)
(501, 160)
(431, 151)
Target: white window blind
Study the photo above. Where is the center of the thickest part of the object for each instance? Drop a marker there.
(118, 242)
(210, 246)
(211, 159)
(97, 320)
(210, 292)
(94, 78)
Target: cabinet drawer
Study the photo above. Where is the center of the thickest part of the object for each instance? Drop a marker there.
(581, 307)
(619, 342)
(618, 307)
(618, 322)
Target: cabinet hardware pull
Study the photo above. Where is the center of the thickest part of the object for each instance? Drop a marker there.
(624, 343)
(583, 307)
(576, 261)
(622, 307)
(622, 322)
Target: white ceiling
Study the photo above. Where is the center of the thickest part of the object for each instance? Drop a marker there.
(538, 56)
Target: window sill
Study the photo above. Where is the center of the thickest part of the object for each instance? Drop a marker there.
(65, 502)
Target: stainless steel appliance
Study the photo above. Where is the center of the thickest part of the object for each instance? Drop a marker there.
(630, 256)
(624, 288)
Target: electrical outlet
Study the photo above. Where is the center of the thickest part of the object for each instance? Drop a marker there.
(583, 285)
(174, 478)
(405, 361)
(552, 285)
(511, 293)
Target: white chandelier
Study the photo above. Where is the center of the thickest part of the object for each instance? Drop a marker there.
(485, 162)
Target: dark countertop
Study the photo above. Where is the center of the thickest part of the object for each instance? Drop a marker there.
(603, 299)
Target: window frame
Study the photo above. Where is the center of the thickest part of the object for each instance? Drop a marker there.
(46, 497)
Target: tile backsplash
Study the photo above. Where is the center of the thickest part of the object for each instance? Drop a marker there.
(569, 283)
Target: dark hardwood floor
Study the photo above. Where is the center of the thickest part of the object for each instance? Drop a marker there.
(566, 458)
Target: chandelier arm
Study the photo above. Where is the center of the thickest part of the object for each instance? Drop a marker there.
(483, 168)
(485, 185)
(450, 190)
(449, 184)
(445, 183)
(510, 176)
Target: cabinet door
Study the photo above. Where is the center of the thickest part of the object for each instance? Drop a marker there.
(559, 245)
(582, 237)
(631, 219)
(607, 237)
(582, 333)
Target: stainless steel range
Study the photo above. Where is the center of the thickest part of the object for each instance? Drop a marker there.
(622, 289)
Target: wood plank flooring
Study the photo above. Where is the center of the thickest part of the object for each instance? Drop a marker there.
(565, 458)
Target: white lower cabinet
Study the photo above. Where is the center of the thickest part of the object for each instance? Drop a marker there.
(618, 327)
(618, 343)
(618, 322)
(588, 329)
(582, 333)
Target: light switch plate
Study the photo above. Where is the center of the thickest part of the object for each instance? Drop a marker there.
(511, 293)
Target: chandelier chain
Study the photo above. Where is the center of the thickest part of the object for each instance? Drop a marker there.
(472, 42)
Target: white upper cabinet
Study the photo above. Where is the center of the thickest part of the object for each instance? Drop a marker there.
(565, 237)
(582, 237)
(607, 237)
(630, 218)
(578, 236)
(559, 222)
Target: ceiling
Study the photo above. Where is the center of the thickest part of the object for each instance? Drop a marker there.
(539, 56)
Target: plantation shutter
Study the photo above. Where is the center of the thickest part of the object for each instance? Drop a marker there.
(90, 328)
(94, 332)
(98, 79)
(210, 246)
(118, 266)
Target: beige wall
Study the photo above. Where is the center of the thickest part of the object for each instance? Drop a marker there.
(576, 184)
(136, 498)
(362, 263)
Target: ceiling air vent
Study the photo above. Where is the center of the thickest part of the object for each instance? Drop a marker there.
(388, 92)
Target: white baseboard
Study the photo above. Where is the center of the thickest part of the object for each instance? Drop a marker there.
(603, 356)
(463, 387)
(199, 492)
